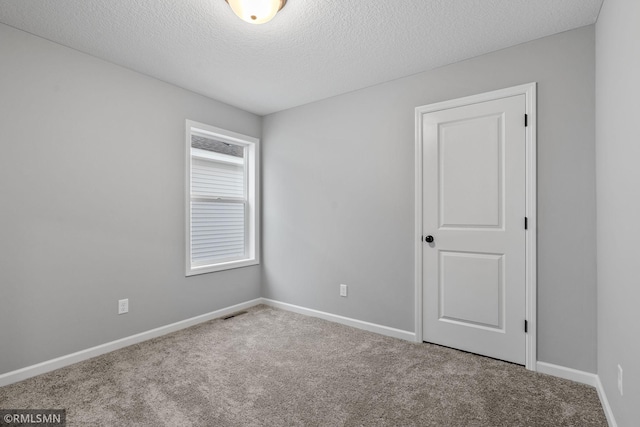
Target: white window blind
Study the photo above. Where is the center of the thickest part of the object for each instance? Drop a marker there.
(210, 178)
(217, 231)
(217, 203)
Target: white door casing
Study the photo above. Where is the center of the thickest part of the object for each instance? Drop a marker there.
(475, 184)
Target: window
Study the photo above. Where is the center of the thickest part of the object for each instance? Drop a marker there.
(221, 200)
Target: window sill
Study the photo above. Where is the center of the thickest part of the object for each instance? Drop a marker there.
(194, 271)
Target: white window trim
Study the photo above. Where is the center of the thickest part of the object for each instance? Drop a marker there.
(253, 193)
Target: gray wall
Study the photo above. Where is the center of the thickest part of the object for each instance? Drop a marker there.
(338, 193)
(618, 183)
(91, 186)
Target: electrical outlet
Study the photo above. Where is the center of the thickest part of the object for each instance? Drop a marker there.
(123, 306)
(343, 290)
(620, 389)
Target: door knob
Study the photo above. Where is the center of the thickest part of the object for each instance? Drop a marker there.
(428, 239)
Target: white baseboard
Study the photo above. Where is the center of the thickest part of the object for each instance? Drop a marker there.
(60, 362)
(580, 377)
(371, 327)
(567, 373)
(605, 404)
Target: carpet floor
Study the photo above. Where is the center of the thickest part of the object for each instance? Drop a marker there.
(270, 367)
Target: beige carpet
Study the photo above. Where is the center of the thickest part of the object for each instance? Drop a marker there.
(274, 368)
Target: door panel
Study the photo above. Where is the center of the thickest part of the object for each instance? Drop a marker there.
(470, 148)
(474, 207)
(478, 304)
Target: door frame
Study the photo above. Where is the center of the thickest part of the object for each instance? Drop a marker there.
(529, 90)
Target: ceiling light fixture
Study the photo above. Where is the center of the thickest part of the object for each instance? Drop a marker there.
(256, 11)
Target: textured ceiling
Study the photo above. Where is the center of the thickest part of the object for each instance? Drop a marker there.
(313, 49)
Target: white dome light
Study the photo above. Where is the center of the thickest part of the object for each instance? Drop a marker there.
(256, 11)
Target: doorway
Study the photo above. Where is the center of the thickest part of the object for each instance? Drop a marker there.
(475, 224)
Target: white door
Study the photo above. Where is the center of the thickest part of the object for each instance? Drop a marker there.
(474, 210)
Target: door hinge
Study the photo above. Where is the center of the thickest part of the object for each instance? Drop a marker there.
(526, 120)
(526, 223)
(526, 326)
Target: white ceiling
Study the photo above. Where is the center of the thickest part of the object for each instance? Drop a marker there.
(313, 49)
